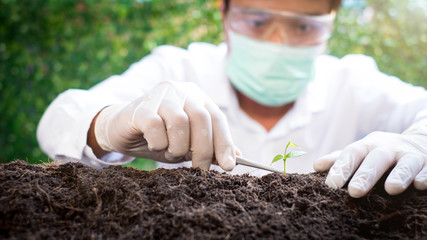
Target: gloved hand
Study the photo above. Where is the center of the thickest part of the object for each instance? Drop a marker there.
(373, 155)
(174, 122)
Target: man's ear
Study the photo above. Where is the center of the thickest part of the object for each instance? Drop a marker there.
(221, 6)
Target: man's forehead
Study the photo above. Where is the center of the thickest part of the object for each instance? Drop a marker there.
(312, 7)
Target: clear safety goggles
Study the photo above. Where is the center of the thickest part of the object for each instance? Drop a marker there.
(293, 29)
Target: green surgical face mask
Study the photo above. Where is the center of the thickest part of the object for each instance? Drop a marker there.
(269, 73)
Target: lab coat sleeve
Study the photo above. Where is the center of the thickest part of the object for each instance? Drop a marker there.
(385, 102)
(62, 130)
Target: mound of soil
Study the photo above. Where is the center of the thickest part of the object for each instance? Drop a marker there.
(73, 201)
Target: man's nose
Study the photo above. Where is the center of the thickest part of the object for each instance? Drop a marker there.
(277, 34)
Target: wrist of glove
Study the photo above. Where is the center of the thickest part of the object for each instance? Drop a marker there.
(172, 123)
(369, 158)
(130, 143)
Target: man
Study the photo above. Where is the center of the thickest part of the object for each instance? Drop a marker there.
(266, 85)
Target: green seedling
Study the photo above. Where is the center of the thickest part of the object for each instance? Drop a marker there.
(287, 155)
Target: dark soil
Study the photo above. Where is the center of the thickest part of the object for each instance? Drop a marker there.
(73, 201)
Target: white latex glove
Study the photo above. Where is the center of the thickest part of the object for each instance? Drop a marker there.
(373, 155)
(174, 122)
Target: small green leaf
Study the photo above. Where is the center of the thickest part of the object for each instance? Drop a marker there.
(277, 158)
(292, 144)
(295, 154)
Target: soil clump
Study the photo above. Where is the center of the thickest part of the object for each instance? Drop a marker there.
(73, 201)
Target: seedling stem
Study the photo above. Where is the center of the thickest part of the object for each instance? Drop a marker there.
(287, 155)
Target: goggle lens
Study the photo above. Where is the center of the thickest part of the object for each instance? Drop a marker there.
(293, 28)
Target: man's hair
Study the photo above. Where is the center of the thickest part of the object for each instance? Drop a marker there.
(335, 4)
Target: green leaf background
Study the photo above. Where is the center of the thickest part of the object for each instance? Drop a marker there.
(48, 46)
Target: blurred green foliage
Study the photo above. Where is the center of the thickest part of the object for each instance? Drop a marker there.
(393, 32)
(48, 46)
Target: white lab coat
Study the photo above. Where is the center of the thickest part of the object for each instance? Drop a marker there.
(348, 99)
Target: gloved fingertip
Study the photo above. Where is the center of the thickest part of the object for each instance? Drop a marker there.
(420, 182)
(333, 182)
(229, 163)
(172, 158)
(362, 182)
(420, 185)
(336, 178)
(394, 188)
(399, 179)
(150, 148)
(356, 191)
(322, 164)
(204, 165)
(325, 162)
(359, 186)
(227, 158)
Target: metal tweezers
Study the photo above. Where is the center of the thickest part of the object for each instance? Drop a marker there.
(250, 163)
